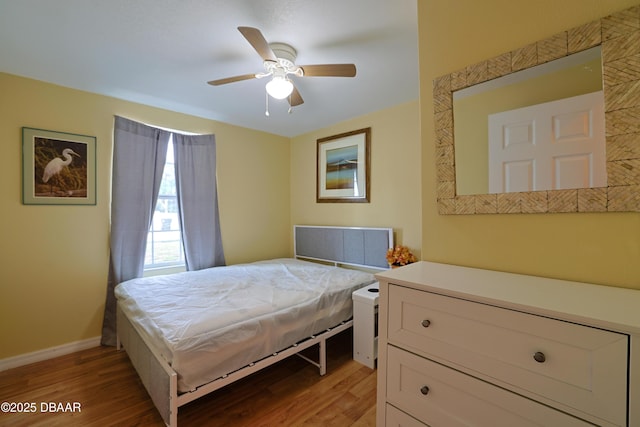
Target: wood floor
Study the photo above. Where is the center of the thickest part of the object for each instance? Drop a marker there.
(108, 392)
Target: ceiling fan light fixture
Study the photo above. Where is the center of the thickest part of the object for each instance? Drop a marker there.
(279, 87)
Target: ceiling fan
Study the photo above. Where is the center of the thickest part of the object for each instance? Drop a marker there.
(279, 63)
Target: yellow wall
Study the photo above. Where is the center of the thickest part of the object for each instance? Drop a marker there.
(55, 258)
(597, 248)
(395, 176)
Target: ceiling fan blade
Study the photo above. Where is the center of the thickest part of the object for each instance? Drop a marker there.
(231, 79)
(329, 70)
(257, 40)
(295, 98)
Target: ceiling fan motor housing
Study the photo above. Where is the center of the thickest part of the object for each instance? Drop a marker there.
(284, 51)
(286, 60)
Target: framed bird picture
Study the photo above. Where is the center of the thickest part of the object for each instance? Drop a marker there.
(58, 168)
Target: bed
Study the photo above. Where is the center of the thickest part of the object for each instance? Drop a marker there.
(191, 333)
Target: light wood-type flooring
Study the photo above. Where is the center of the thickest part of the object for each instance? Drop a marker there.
(106, 388)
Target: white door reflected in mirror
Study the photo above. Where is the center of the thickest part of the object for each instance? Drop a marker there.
(556, 145)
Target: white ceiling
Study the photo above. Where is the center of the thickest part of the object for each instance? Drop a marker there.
(162, 53)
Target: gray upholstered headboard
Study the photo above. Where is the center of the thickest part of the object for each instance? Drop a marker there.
(359, 246)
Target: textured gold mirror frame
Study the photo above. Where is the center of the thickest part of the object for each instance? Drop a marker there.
(619, 36)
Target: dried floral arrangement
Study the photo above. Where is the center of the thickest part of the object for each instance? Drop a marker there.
(400, 255)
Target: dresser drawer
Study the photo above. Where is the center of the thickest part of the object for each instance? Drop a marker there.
(440, 396)
(397, 418)
(576, 368)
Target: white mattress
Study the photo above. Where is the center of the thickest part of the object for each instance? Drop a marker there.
(211, 322)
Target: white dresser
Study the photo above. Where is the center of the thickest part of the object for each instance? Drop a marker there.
(461, 346)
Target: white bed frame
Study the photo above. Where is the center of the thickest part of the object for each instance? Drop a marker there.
(355, 246)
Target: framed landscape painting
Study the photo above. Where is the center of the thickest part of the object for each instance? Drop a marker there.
(343, 164)
(58, 168)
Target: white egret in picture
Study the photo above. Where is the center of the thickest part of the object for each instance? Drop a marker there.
(60, 168)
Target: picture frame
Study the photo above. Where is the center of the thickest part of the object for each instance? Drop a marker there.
(58, 168)
(343, 167)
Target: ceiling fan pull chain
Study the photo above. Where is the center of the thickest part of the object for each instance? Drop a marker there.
(266, 112)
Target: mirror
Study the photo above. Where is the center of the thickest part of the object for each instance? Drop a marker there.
(619, 186)
(518, 132)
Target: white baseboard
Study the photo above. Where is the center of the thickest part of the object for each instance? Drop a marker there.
(48, 353)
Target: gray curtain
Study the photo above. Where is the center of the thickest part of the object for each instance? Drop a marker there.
(195, 164)
(139, 155)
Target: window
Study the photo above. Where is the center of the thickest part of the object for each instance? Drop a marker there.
(164, 241)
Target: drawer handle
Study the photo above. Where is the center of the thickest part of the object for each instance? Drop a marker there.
(426, 323)
(539, 357)
(424, 390)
